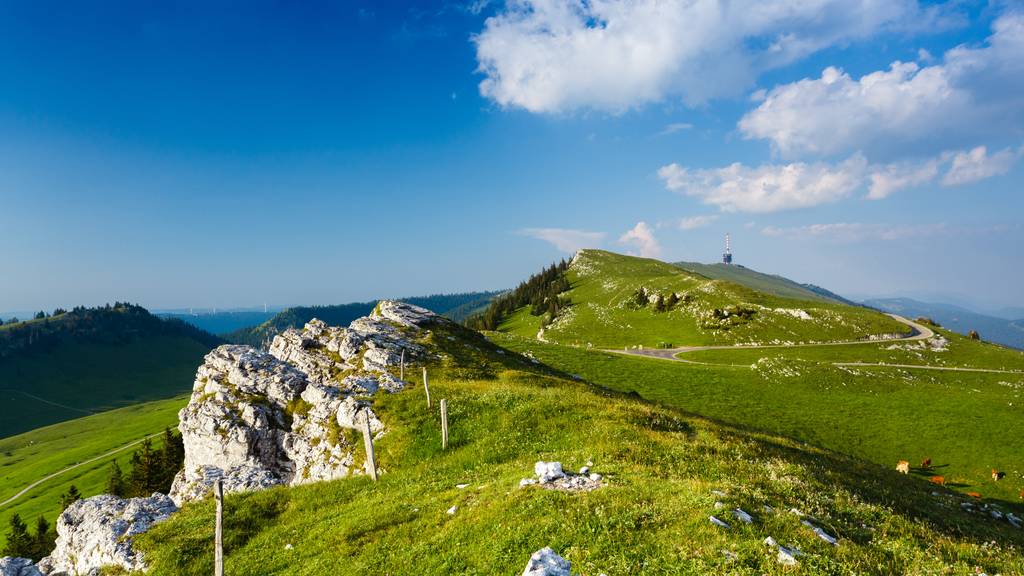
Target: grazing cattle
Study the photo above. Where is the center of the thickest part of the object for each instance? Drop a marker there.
(997, 475)
(974, 494)
(903, 467)
(1021, 494)
(926, 463)
(940, 480)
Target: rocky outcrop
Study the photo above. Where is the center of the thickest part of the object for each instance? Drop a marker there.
(551, 476)
(259, 419)
(18, 567)
(97, 532)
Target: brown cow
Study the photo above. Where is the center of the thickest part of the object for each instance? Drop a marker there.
(974, 494)
(941, 481)
(903, 467)
(926, 463)
(997, 475)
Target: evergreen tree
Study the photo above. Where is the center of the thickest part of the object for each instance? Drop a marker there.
(19, 541)
(44, 541)
(115, 482)
(40, 315)
(172, 458)
(70, 497)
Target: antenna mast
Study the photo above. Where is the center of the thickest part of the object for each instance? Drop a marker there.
(727, 257)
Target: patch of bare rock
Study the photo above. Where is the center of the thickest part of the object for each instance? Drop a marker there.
(551, 476)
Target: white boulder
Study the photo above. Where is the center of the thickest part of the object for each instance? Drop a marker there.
(547, 562)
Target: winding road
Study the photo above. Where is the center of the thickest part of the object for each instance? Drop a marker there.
(28, 488)
(918, 332)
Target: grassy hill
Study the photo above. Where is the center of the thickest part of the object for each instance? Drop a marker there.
(34, 455)
(767, 283)
(91, 360)
(961, 320)
(454, 306)
(664, 471)
(615, 301)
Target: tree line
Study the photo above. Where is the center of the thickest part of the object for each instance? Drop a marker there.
(540, 292)
(152, 469)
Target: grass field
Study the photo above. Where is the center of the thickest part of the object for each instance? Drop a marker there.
(603, 313)
(77, 378)
(755, 280)
(968, 423)
(33, 455)
(660, 466)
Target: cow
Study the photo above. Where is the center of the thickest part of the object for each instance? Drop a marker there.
(974, 494)
(997, 475)
(903, 467)
(941, 481)
(926, 463)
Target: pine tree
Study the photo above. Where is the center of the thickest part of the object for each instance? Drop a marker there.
(172, 458)
(70, 497)
(44, 541)
(19, 541)
(115, 482)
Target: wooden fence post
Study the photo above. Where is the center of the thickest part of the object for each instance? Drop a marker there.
(444, 424)
(401, 370)
(218, 537)
(371, 465)
(426, 387)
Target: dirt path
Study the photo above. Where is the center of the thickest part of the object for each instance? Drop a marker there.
(80, 464)
(918, 332)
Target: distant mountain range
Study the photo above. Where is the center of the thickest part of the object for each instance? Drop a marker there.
(457, 307)
(956, 318)
(221, 322)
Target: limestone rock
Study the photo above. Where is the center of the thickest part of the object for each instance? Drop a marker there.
(98, 531)
(552, 476)
(547, 562)
(18, 567)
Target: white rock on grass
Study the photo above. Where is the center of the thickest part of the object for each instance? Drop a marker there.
(547, 562)
(548, 471)
(718, 522)
(820, 533)
(18, 567)
(552, 476)
(97, 532)
(786, 556)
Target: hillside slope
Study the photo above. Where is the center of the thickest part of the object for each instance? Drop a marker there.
(90, 360)
(993, 329)
(663, 474)
(767, 283)
(454, 306)
(615, 301)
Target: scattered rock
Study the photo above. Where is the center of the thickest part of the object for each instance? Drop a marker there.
(820, 533)
(462, 486)
(453, 510)
(97, 532)
(547, 562)
(718, 522)
(18, 567)
(552, 476)
(288, 547)
(786, 556)
(743, 516)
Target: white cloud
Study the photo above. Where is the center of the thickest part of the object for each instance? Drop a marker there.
(566, 240)
(769, 187)
(642, 237)
(974, 93)
(550, 56)
(857, 231)
(976, 164)
(899, 175)
(695, 222)
(675, 127)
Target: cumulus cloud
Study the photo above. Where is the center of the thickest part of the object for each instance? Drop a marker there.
(857, 231)
(976, 164)
(642, 238)
(899, 175)
(775, 187)
(973, 93)
(566, 240)
(695, 222)
(550, 56)
(769, 187)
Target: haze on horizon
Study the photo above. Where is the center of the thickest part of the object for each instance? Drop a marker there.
(210, 156)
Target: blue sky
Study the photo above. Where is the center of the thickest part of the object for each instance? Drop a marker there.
(230, 154)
